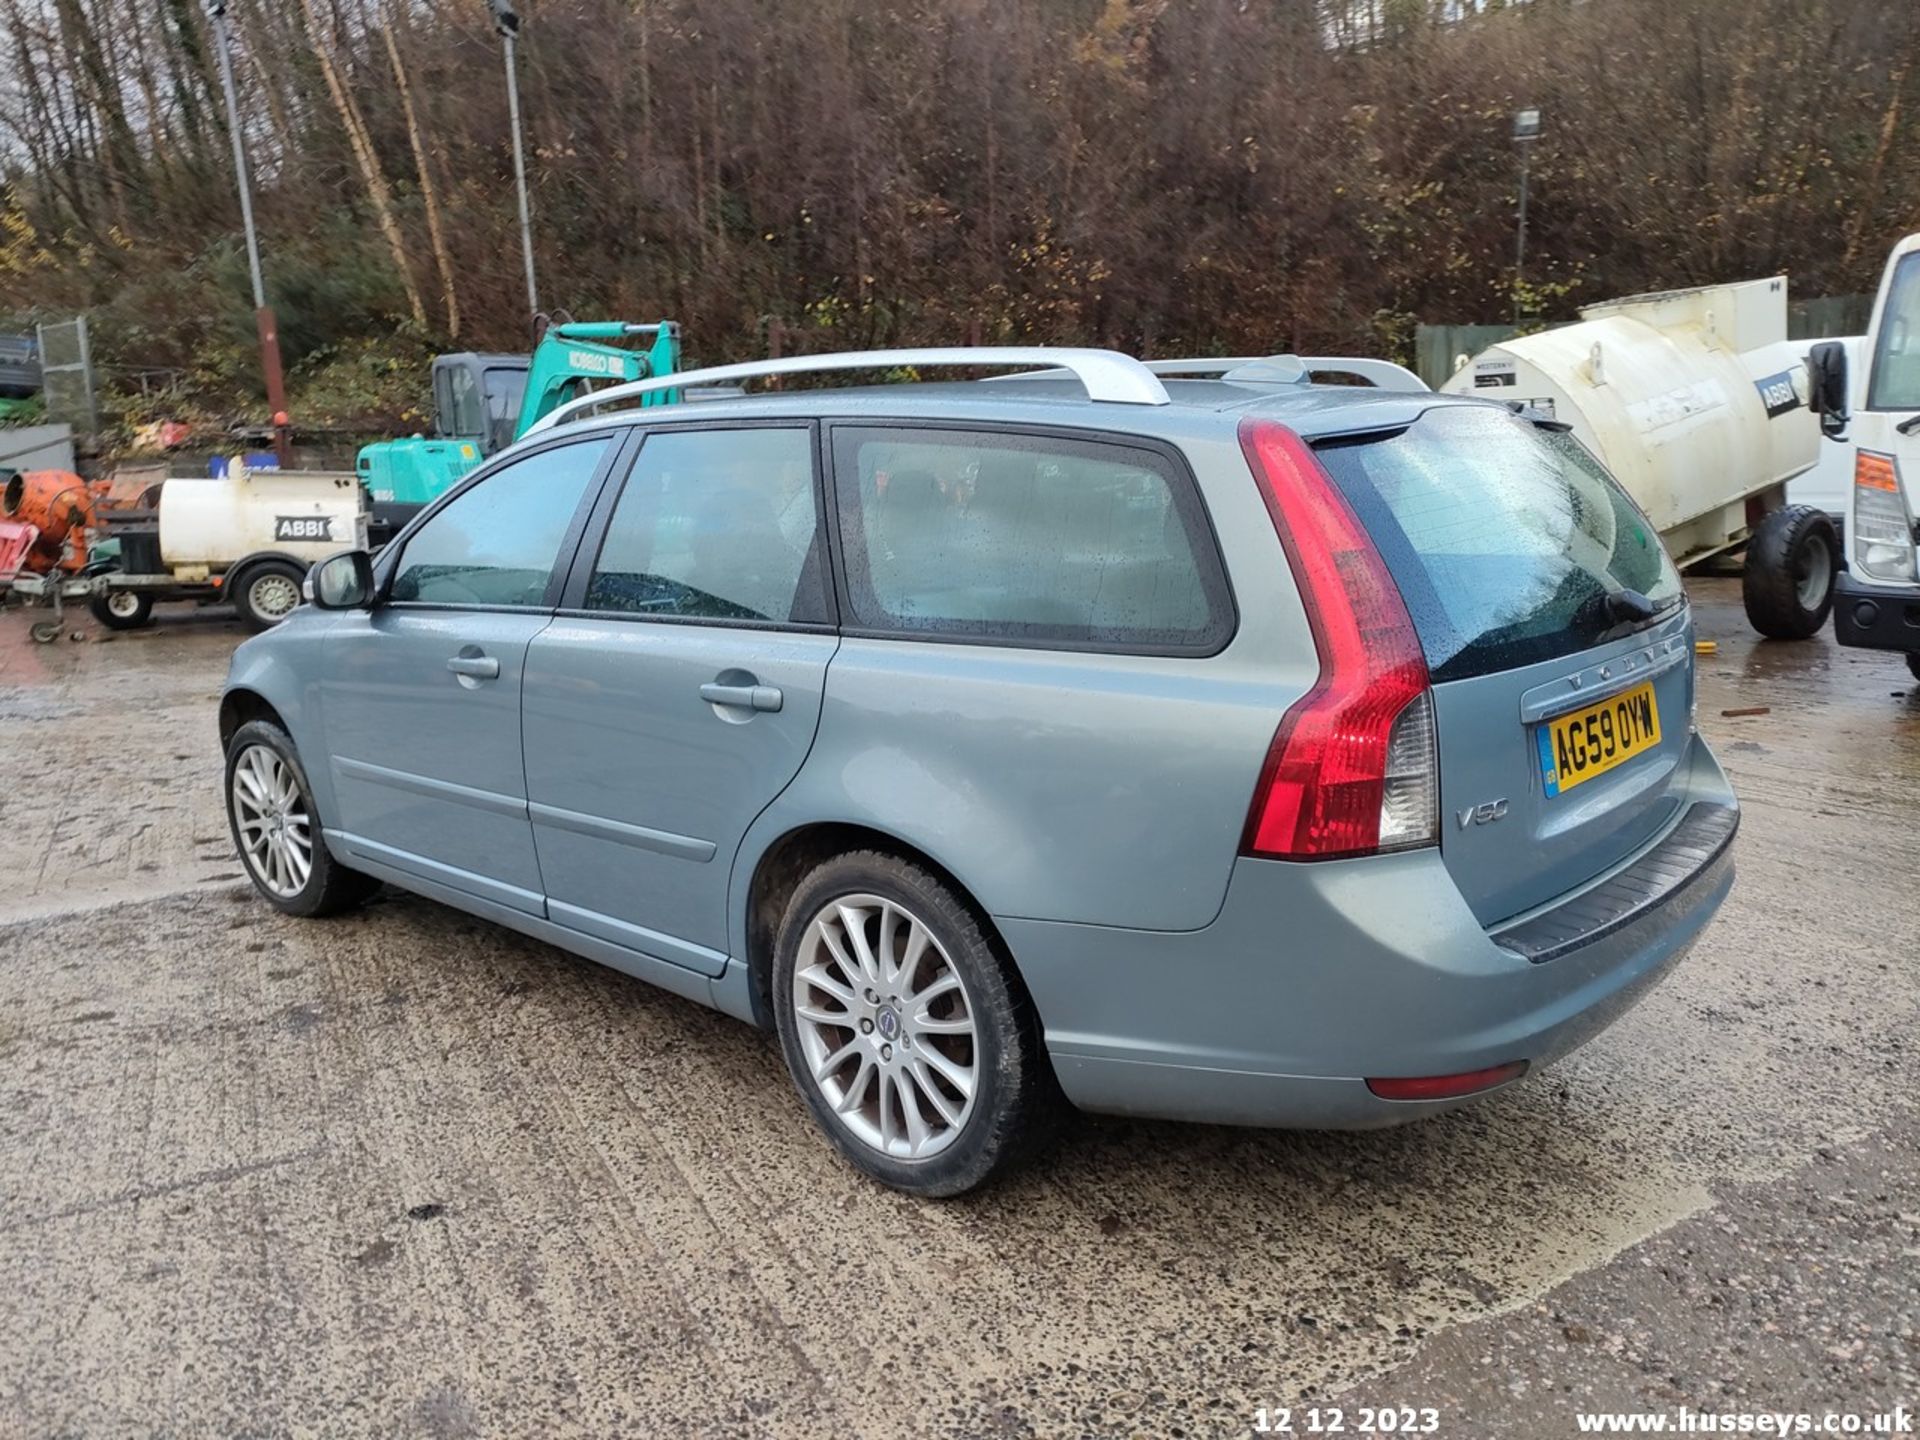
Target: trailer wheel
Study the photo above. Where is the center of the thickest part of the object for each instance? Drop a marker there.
(267, 592)
(1788, 580)
(122, 609)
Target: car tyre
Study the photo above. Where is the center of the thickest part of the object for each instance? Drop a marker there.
(276, 830)
(924, 971)
(122, 609)
(1787, 582)
(267, 592)
(1913, 666)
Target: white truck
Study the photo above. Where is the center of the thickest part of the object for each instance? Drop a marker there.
(1875, 408)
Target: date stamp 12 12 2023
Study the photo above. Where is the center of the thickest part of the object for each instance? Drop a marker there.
(1341, 1420)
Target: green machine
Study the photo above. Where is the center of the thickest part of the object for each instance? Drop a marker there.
(483, 403)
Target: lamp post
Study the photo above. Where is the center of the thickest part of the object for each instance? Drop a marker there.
(506, 20)
(267, 326)
(1526, 130)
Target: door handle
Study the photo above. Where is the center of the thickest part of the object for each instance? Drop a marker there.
(479, 667)
(744, 697)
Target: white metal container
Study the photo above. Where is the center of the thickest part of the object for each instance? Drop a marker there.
(1695, 399)
(307, 515)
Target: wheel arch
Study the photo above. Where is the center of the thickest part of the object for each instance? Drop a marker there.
(240, 705)
(778, 870)
(252, 558)
(283, 673)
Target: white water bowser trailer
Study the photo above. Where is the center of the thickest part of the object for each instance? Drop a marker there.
(1698, 404)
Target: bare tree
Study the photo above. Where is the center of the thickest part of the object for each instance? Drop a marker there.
(369, 162)
(431, 201)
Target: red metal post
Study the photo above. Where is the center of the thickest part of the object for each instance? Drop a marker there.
(269, 329)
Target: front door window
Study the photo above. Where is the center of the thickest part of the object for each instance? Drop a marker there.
(498, 543)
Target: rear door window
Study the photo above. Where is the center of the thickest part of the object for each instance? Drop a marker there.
(716, 525)
(1505, 538)
(1027, 539)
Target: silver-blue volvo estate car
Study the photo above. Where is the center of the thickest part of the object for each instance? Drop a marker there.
(1192, 740)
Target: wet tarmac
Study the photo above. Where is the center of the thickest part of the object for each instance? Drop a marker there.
(408, 1173)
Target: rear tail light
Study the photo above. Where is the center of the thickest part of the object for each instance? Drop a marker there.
(1351, 770)
(1882, 533)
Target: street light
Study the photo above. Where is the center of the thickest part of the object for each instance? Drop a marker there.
(506, 20)
(263, 318)
(1526, 130)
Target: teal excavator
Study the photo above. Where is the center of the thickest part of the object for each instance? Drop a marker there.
(483, 403)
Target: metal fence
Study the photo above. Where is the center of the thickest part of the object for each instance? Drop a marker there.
(67, 379)
(1831, 318)
(1435, 347)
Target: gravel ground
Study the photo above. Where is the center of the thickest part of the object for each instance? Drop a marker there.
(408, 1173)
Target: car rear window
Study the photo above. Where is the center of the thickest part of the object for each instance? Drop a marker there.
(1505, 537)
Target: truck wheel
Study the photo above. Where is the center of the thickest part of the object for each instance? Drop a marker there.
(1788, 581)
(122, 609)
(267, 592)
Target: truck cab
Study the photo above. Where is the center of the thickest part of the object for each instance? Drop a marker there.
(1877, 599)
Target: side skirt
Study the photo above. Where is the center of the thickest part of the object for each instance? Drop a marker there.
(676, 979)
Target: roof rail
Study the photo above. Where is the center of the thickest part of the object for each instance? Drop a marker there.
(1107, 374)
(1269, 369)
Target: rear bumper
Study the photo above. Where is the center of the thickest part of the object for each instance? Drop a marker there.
(1876, 617)
(1314, 977)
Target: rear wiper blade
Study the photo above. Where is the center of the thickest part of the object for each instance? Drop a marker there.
(1909, 425)
(1629, 607)
(1606, 611)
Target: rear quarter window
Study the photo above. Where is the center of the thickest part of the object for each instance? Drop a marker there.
(1504, 537)
(1025, 539)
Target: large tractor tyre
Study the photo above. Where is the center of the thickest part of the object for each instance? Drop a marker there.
(122, 609)
(266, 592)
(1788, 580)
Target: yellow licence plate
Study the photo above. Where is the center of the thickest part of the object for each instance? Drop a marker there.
(1590, 742)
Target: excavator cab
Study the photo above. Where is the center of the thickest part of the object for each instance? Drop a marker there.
(477, 398)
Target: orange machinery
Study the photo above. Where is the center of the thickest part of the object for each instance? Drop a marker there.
(66, 511)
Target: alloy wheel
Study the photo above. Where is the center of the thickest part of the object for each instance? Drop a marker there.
(886, 1026)
(273, 822)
